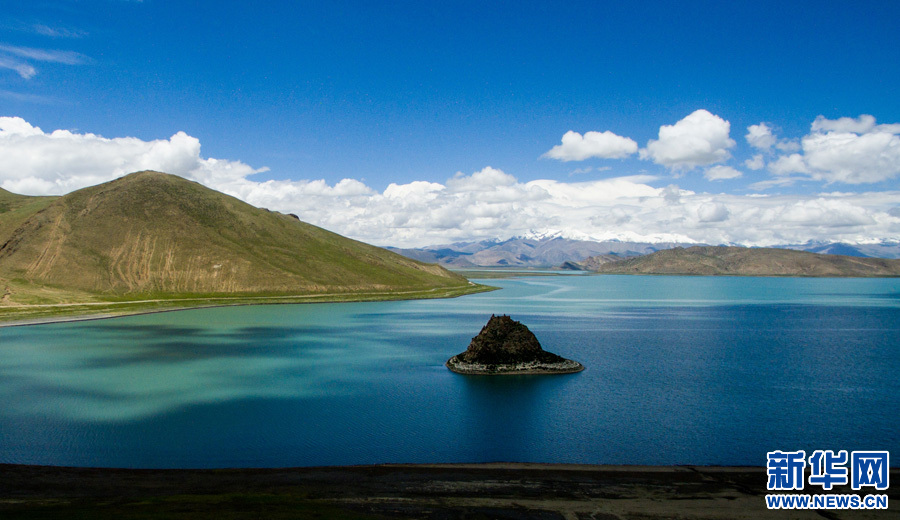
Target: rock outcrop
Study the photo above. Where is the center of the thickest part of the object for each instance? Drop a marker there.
(506, 346)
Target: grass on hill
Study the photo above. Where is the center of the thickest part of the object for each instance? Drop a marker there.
(151, 240)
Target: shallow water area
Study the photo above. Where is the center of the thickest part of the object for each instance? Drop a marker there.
(679, 370)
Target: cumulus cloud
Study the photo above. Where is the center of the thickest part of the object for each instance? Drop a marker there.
(488, 203)
(699, 139)
(822, 212)
(760, 136)
(486, 180)
(757, 162)
(852, 158)
(788, 164)
(861, 125)
(718, 173)
(712, 212)
(788, 145)
(493, 204)
(604, 145)
(763, 138)
(39, 163)
(845, 150)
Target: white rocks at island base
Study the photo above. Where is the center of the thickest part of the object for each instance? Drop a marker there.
(567, 366)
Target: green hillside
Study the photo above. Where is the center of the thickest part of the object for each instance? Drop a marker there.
(153, 235)
(743, 261)
(15, 209)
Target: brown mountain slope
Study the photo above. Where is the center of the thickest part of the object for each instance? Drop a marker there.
(742, 261)
(150, 233)
(15, 209)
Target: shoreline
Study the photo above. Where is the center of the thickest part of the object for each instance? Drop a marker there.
(488, 490)
(455, 292)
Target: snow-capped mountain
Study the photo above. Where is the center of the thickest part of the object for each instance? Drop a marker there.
(555, 248)
(532, 250)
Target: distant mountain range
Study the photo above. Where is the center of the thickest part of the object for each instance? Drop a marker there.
(555, 251)
(743, 261)
(155, 235)
(527, 252)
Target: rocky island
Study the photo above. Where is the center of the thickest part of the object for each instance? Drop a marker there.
(506, 346)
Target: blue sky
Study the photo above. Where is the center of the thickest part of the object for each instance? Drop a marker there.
(417, 94)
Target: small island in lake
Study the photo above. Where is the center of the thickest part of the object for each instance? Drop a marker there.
(506, 346)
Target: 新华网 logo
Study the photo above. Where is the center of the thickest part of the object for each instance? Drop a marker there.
(786, 471)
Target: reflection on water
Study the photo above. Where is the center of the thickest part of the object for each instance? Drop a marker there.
(679, 370)
(502, 414)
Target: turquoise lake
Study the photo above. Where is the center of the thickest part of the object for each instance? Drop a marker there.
(680, 370)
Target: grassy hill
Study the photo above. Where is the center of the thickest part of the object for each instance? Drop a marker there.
(742, 261)
(15, 209)
(150, 235)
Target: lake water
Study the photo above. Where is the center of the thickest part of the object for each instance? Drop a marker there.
(680, 370)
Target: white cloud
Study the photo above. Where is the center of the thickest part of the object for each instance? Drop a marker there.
(491, 204)
(717, 173)
(11, 57)
(416, 190)
(763, 138)
(697, 140)
(53, 56)
(788, 164)
(38, 163)
(788, 145)
(24, 70)
(775, 182)
(824, 212)
(760, 136)
(860, 125)
(712, 212)
(488, 203)
(757, 162)
(604, 145)
(10, 126)
(488, 179)
(578, 171)
(845, 150)
(852, 158)
(57, 32)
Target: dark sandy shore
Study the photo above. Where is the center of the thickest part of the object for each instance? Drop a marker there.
(490, 491)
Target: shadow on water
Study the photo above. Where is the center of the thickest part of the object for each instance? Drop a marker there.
(252, 333)
(113, 372)
(174, 344)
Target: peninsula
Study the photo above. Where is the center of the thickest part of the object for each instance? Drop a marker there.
(153, 241)
(747, 261)
(506, 346)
